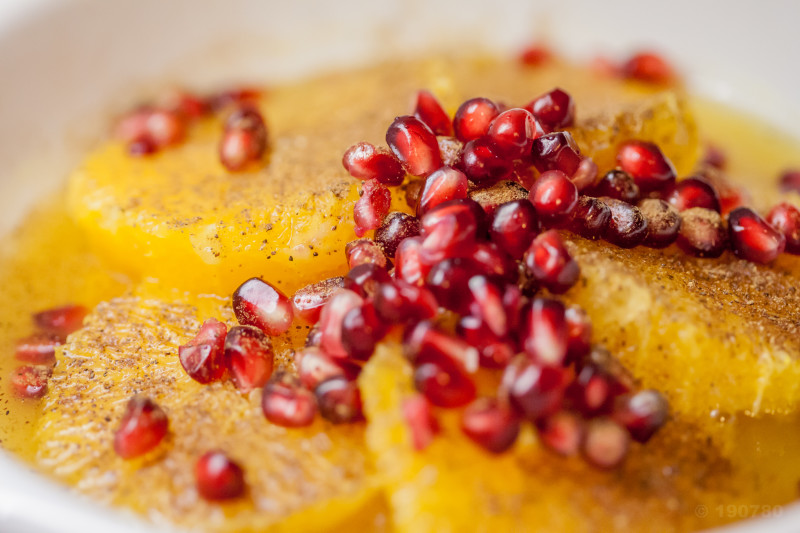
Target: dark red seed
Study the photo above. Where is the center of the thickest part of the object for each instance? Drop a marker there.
(448, 279)
(364, 279)
(627, 226)
(132, 126)
(601, 359)
(535, 391)
(399, 302)
(314, 336)
(702, 233)
(483, 162)
(189, 106)
(535, 55)
(619, 185)
(38, 349)
(450, 148)
(30, 381)
(502, 192)
(339, 401)
(415, 145)
(515, 303)
(513, 132)
(550, 263)
(361, 331)
(487, 304)
(493, 262)
(250, 358)
(371, 208)
(244, 140)
(545, 332)
(218, 477)
(449, 230)
(203, 357)
(490, 424)
(143, 426)
(562, 432)
(286, 403)
(648, 67)
(365, 162)
(444, 383)
(363, 251)
(142, 147)
(441, 186)
(473, 118)
(586, 175)
(593, 390)
(396, 227)
(331, 318)
(785, 218)
(307, 302)
(589, 218)
(649, 167)
(752, 238)
(789, 181)
(408, 266)
(641, 413)
(431, 112)
(556, 151)
(514, 226)
(425, 343)
(419, 417)
(554, 196)
(61, 321)
(260, 304)
(236, 95)
(663, 222)
(493, 351)
(314, 367)
(579, 333)
(555, 110)
(693, 192)
(605, 444)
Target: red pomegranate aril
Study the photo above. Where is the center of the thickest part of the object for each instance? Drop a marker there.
(314, 335)
(589, 218)
(649, 167)
(493, 262)
(562, 432)
(513, 132)
(586, 175)
(693, 192)
(143, 426)
(260, 304)
(307, 302)
(752, 238)
(250, 358)
(483, 162)
(545, 332)
(203, 357)
(785, 218)
(593, 391)
(408, 265)
(448, 279)
(218, 477)
(550, 263)
(371, 208)
(493, 352)
(396, 227)
(514, 302)
(487, 304)
(399, 302)
(365, 162)
(424, 342)
(441, 186)
(579, 333)
(535, 55)
(132, 126)
(554, 196)
(555, 110)
(339, 401)
(244, 140)
(362, 251)
(641, 413)
(364, 279)
(473, 118)
(601, 359)
(314, 367)
(627, 226)
(142, 147)
(619, 185)
(165, 128)
(415, 145)
(444, 383)
(535, 391)
(648, 67)
(789, 181)
(330, 321)
(421, 422)
(514, 226)
(61, 321)
(449, 230)
(431, 112)
(189, 106)
(605, 444)
(663, 222)
(490, 424)
(361, 331)
(286, 403)
(30, 381)
(702, 233)
(38, 349)
(556, 151)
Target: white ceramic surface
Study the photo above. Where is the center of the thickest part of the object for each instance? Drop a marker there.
(64, 64)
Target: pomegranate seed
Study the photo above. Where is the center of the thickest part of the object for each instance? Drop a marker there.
(314, 335)
(649, 167)
(545, 332)
(619, 185)
(415, 145)
(555, 110)
(399, 302)
(514, 302)
(132, 126)
(785, 218)
(493, 262)
(441, 186)
(339, 401)
(365, 162)
(562, 432)
(165, 128)
(142, 147)
(649, 68)
(371, 207)
(189, 106)
(513, 132)
(627, 226)
(554, 196)
(61, 321)
(38, 349)
(663, 222)
(249, 355)
(203, 358)
(364, 279)
(550, 263)
(483, 162)
(752, 238)
(314, 367)
(592, 391)
(361, 331)
(396, 227)
(589, 218)
(330, 321)
(30, 381)
(493, 351)
(642, 413)
(244, 140)
(535, 55)
(490, 424)
(605, 444)
(448, 230)
(424, 342)
(715, 157)
(450, 148)
(533, 390)
(447, 281)
(260, 304)
(621, 380)
(413, 188)
(238, 95)
(143, 426)
(444, 383)
(693, 192)
(432, 114)
(702, 233)
(363, 251)
(502, 192)
(604, 67)
(579, 332)
(513, 227)
(418, 415)
(408, 266)
(556, 151)
(307, 302)
(473, 118)
(730, 196)
(286, 403)
(790, 181)
(586, 175)
(218, 477)
(487, 304)
(524, 174)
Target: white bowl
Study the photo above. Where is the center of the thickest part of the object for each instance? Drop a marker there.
(66, 63)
